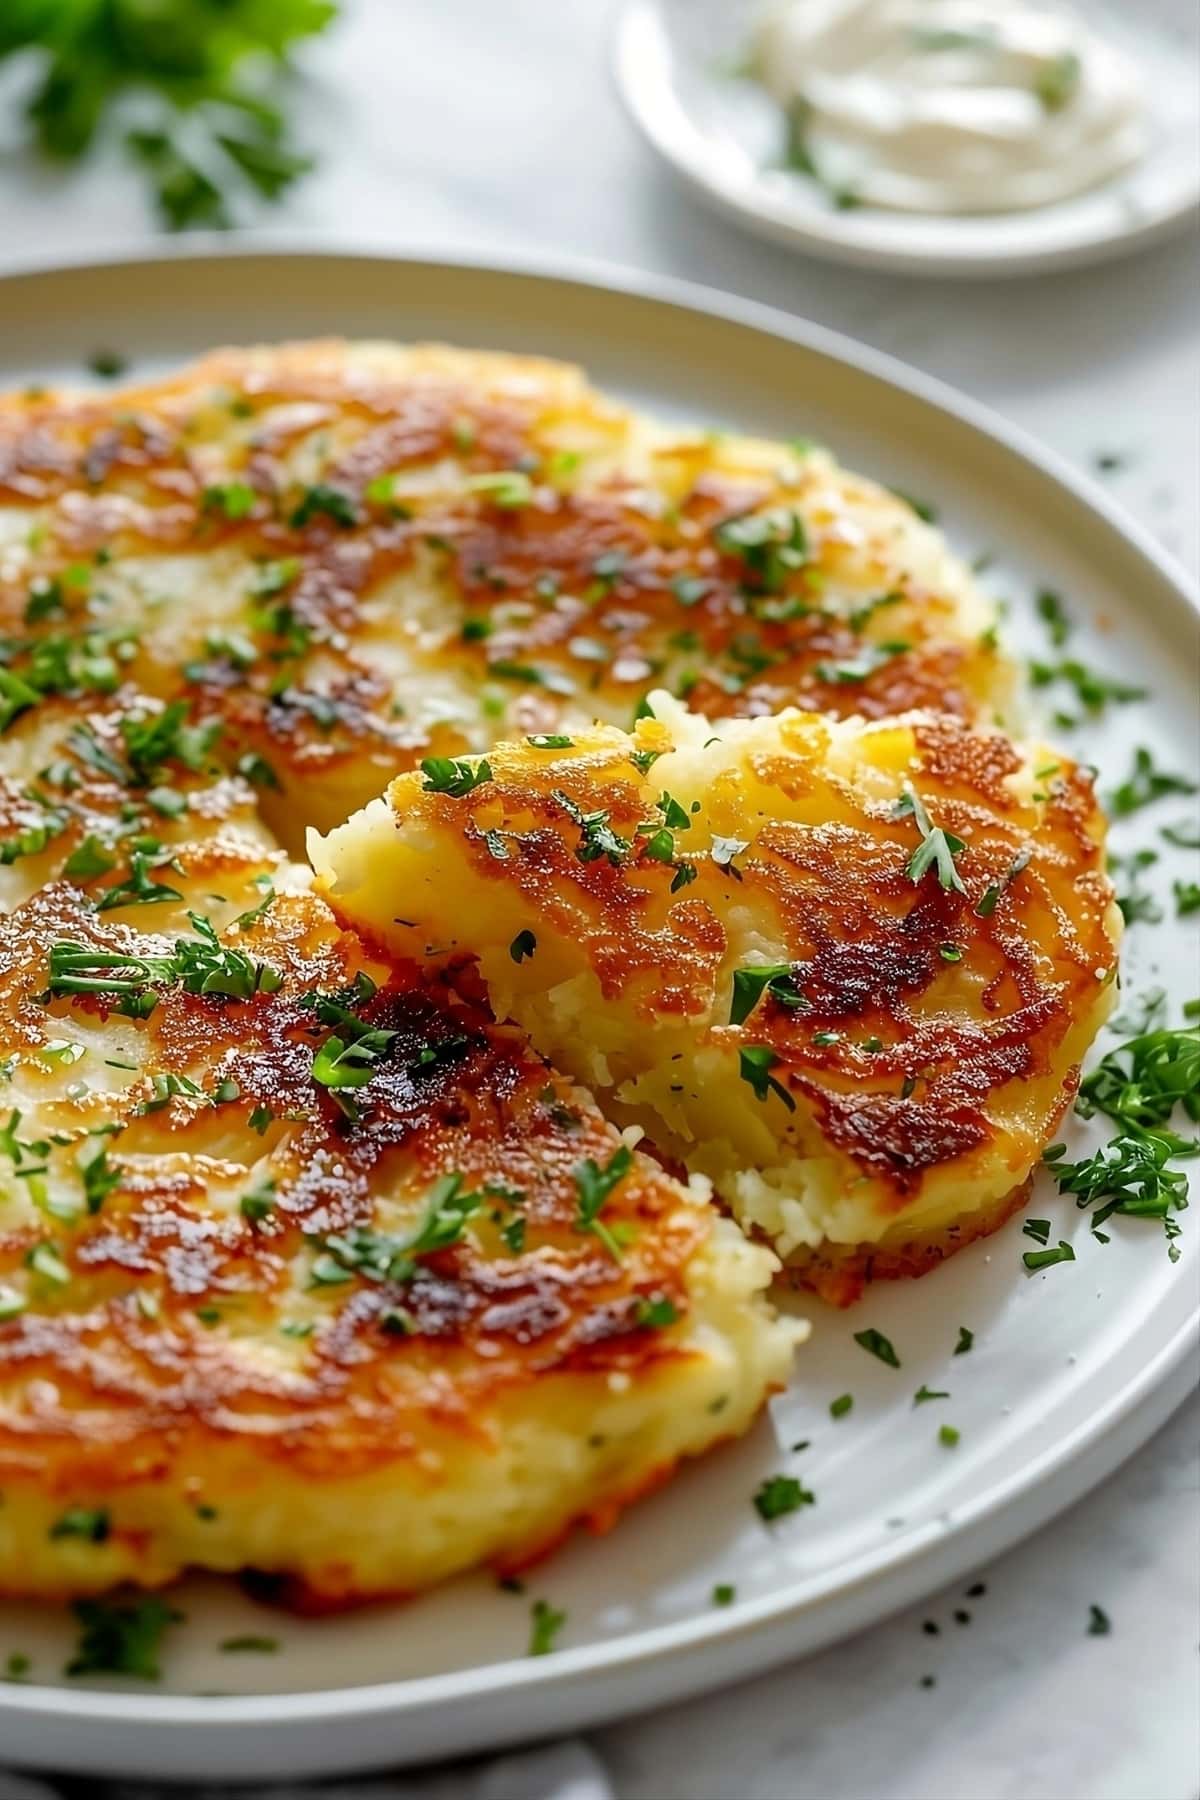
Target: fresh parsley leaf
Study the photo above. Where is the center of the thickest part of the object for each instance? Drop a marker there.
(937, 849)
(454, 775)
(121, 1638)
(1144, 784)
(841, 1406)
(87, 1522)
(1046, 1259)
(780, 1495)
(876, 1344)
(770, 546)
(323, 501)
(966, 1341)
(593, 1187)
(778, 980)
(597, 839)
(1054, 616)
(545, 1626)
(1140, 1083)
(755, 1061)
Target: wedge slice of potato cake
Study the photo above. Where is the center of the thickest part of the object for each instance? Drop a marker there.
(848, 970)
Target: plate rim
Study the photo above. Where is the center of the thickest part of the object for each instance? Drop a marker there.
(1049, 1474)
(836, 239)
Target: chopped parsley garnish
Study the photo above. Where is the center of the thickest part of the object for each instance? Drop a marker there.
(869, 660)
(780, 1495)
(454, 775)
(643, 760)
(89, 858)
(1099, 1623)
(509, 489)
(1140, 1083)
(121, 1638)
(858, 616)
(165, 737)
(924, 1394)
(1129, 1175)
(16, 696)
(98, 1175)
(1054, 617)
(551, 741)
(348, 1056)
(138, 889)
(1046, 1259)
(203, 965)
(261, 1646)
(1037, 1229)
(522, 946)
(724, 1594)
(655, 1312)
(1144, 784)
(322, 501)
(259, 1203)
(778, 980)
(1184, 836)
(383, 1257)
(948, 1436)
(937, 849)
(841, 1406)
(597, 839)
(545, 1626)
(1056, 83)
(770, 546)
(992, 893)
(593, 1187)
(234, 499)
(1092, 690)
(1187, 897)
(876, 1344)
(755, 1062)
(107, 364)
(87, 1522)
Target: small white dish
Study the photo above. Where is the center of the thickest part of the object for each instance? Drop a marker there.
(723, 134)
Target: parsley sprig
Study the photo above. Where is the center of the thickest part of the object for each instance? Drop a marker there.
(194, 91)
(202, 965)
(382, 1256)
(938, 848)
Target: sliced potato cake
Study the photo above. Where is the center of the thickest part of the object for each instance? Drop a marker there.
(307, 1266)
(347, 557)
(848, 970)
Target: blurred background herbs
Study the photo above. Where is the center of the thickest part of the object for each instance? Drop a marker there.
(195, 91)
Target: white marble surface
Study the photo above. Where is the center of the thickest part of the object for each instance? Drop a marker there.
(492, 124)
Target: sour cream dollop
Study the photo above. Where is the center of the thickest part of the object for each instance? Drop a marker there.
(950, 106)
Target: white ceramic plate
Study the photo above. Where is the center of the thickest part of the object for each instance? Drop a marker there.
(724, 135)
(1071, 1370)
